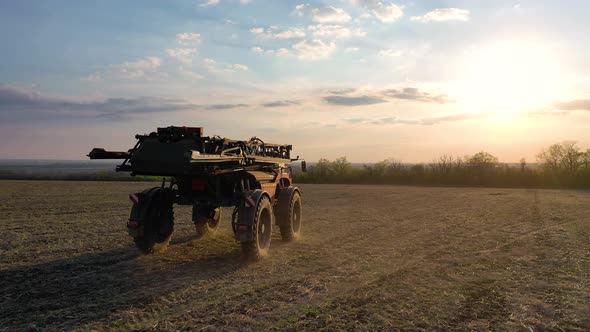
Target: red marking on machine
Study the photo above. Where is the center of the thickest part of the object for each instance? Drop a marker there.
(134, 198)
(249, 201)
(199, 184)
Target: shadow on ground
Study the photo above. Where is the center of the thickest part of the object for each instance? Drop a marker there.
(65, 293)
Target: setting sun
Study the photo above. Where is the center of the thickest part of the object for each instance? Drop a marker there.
(509, 76)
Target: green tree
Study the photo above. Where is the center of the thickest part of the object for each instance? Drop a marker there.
(387, 167)
(482, 160)
(380, 168)
(341, 166)
(323, 167)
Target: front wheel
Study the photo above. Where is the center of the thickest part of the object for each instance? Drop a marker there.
(262, 231)
(290, 216)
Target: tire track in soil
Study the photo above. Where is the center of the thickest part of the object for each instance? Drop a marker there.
(485, 300)
(354, 238)
(361, 240)
(357, 256)
(486, 304)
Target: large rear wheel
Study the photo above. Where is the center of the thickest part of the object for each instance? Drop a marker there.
(158, 227)
(262, 231)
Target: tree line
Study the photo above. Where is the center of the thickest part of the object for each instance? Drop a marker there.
(562, 165)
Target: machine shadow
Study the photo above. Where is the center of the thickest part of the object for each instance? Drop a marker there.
(66, 293)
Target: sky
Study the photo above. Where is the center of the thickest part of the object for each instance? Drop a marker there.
(365, 79)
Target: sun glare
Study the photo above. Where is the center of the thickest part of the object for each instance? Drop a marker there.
(508, 77)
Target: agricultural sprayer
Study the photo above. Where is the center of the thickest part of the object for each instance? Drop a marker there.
(208, 173)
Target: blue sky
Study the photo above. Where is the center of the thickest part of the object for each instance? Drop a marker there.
(365, 79)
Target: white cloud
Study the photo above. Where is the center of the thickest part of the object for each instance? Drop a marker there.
(187, 42)
(188, 39)
(280, 52)
(220, 67)
(240, 67)
(208, 3)
(128, 70)
(305, 50)
(313, 49)
(330, 15)
(351, 49)
(290, 33)
(245, 2)
(388, 13)
(135, 69)
(390, 53)
(335, 31)
(212, 65)
(209, 62)
(384, 12)
(182, 55)
(278, 33)
(300, 9)
(444, 14)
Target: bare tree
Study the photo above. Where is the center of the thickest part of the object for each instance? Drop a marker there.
(565, 156)
(522, 164)
(443, 164)
(393, 165)
(572, 156)
(551, 158)
(586, 159)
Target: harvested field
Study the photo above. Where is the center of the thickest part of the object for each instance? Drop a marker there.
(371, 258)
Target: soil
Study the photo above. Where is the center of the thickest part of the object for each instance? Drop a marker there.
(369, 258)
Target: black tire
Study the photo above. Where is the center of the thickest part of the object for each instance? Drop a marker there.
(206, 226)
(290, 214)
(158, 227)
(262, 230)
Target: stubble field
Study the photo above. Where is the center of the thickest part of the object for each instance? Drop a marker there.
(371, 258)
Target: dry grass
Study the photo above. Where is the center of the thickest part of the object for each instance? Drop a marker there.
(372, 258)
